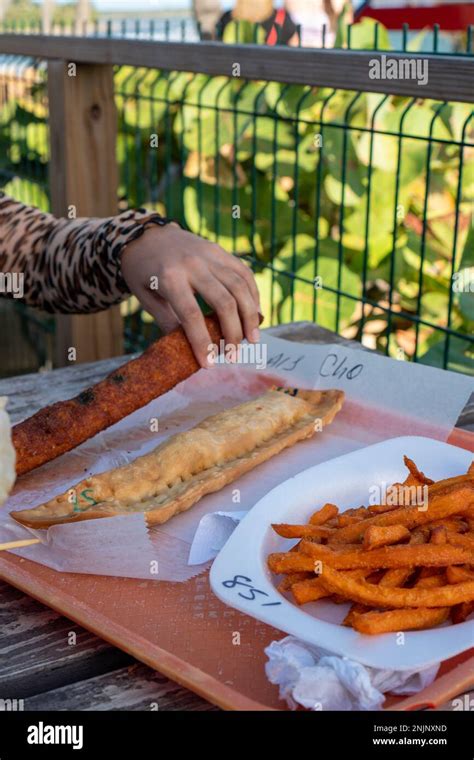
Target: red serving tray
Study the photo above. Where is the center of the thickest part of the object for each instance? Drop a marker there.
(186, 633)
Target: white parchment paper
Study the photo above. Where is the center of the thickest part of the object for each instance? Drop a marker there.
(384, 399)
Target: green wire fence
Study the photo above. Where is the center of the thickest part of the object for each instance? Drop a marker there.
(26, 337)
(372, 35)
(354, 209)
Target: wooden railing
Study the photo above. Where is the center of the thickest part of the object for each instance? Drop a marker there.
(83, 121)
(450, 77)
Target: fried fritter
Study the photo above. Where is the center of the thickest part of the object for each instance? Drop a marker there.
(64, 425)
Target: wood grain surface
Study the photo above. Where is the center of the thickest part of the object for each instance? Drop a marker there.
(39, 664)
(83, 176)
(450, 78)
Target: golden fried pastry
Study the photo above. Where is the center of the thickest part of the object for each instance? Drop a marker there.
(180, 471)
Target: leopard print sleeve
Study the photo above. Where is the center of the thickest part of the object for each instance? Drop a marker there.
(66, 266)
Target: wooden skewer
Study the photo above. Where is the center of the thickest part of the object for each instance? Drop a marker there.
(18, 544)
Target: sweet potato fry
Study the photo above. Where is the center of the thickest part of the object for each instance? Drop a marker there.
(428, 572)
(380, 509)
(396, 576)
(378, 596)
(454, 524)
(460, 539)
(324, 514)
(438, 536)
(454, 500)
(309, 591)
(461, 612)
(459, 574)
(301, 531)
(346, 519)
(290, 562)
(376, 536)
(401, 567)
(431, 581)
(398, 620)
(354, 609)
(388, 556)
(313, 589)
(419, 536)
(287, 582)
(417, 477)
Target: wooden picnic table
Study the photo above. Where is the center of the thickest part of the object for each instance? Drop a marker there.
(39, 665)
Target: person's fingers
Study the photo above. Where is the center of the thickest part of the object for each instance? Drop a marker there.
(249, 278)
(185, 306)
(246, 305)
(164, 315)
(235, 264)
(224, 304)
(160, 310)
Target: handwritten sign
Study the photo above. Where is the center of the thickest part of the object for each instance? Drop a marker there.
(251, 594)
(283, 362)
(330, 364)
(333, 366)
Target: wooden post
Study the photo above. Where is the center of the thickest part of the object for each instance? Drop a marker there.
(84, 177)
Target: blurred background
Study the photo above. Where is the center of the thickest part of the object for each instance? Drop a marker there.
(372, 192)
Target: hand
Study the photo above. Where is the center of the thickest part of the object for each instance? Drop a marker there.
(167, 266)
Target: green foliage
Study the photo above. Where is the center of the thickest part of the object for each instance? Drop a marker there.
(27, 12)
(338, 189)
(23, 12)
(318, 185)
(24, 141)
(243, 32)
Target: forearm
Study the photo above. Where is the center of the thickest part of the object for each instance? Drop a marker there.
(66, 266)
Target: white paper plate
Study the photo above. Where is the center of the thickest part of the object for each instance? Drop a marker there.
(241, 579)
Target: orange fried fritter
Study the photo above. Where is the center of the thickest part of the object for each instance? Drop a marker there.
(64, 425)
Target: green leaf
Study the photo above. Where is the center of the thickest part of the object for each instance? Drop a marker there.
(326, 302)
(467, 258)
(244, 32)
(415, 44)
(434, 307)
(37, 139)
(271, 296)
(433, 277)
(290, 101)
(418, 120)
(362, 35)
(381, 222)
(262, 138)
(205, 218)
(346, 179)
(460, 355)
(463, 287)
(466, 302)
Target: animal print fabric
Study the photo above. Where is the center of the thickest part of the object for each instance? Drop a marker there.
(69, 266)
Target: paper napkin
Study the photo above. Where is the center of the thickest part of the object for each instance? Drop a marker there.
(212, 533)
(318, 680)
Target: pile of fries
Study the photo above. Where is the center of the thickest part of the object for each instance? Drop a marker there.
(403, 567)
